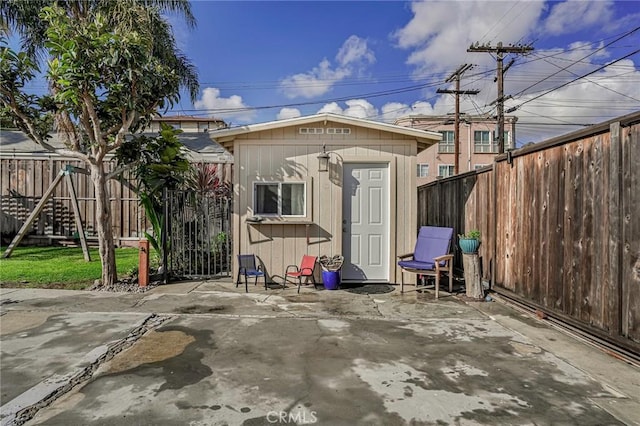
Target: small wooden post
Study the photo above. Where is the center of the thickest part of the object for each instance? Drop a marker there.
(473, 285)
(143, 263)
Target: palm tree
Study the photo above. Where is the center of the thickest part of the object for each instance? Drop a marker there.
(112, 65)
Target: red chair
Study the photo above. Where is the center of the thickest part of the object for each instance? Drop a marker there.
(306, 270)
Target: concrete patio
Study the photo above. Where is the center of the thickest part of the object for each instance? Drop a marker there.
(206, 353)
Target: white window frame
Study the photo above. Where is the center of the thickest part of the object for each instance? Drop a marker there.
(419, 169)
(482, 146)
(338, 131)
(445, 145)
(306, 202)
(450, 170)
(311, 130)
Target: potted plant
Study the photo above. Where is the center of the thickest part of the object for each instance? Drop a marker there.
(469, 241)
(331, 267)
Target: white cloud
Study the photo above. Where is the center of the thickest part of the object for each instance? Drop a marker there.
(591, 100)
(355, 51)
(288, 113)
(358, 108)
(231, 108)
(391, 111)
(440, 32)
(352, 57)
(331, 108)
(573, 15)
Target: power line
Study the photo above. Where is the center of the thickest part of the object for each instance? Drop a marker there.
(456, 77)
(572, 81)
(581, 59)
(500, 50)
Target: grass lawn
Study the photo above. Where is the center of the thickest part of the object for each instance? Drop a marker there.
(59, 267)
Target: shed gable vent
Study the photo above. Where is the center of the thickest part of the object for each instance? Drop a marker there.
(311, 130)
(338, 131)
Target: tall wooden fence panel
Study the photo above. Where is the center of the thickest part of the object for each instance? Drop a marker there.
(24, 180)
(560, 225)
(463, 203)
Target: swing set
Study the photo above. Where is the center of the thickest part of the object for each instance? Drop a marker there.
(65, 174)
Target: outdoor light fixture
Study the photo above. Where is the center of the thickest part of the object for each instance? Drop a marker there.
(323, 160)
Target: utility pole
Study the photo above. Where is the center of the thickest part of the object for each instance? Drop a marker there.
(500, 50)
(456, 132)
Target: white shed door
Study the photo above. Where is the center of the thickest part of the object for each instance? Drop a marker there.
(365, 222)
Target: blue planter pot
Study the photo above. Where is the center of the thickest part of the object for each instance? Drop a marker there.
(331, 280)
(469, 245)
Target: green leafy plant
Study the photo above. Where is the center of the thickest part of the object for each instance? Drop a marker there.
(473, 234)
(160, 162)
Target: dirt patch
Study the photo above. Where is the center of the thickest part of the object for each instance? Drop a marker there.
(153, 347)
(201, 309)
(15, 322)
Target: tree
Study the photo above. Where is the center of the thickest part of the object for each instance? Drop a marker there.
(111, 66)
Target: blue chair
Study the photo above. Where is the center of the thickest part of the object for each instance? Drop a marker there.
(247, 267)
(431, 256)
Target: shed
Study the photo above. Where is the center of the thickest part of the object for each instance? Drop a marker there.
(363, 205)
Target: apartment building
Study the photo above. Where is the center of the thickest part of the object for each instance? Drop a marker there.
(187, 123)
(477, 146)
(195, 136)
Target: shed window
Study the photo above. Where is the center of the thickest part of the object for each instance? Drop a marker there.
(280, 198)
(311, 130)
(338, 131)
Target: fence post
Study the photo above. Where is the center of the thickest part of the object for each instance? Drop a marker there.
(143, 263)
(165, 231)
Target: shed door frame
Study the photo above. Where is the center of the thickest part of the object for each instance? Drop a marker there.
(389, 163)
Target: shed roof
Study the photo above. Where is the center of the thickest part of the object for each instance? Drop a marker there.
(225, 137)
(15, 142)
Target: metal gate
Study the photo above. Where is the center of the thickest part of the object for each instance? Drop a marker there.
(198, 244)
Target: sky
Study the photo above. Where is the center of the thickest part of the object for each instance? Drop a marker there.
(380, 60)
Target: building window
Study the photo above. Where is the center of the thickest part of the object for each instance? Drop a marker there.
(423, 170)
(338, 131)
(445, 170)
(479, 166)
(174, 124)
(482, 142)
(203, 127)
(311, 130)
(280, 198)
(447, 143)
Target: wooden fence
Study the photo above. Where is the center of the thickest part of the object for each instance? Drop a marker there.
(560, 224)
(23, 181)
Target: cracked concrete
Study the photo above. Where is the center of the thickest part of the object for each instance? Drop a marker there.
(205, 353)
